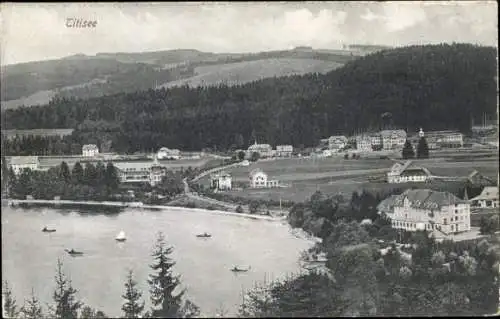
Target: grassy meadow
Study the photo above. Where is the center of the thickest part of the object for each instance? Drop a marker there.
(335, 175)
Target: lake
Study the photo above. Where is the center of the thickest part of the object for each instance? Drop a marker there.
(29, 256)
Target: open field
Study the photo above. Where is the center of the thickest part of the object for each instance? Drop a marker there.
(304, 176)
(248, 71)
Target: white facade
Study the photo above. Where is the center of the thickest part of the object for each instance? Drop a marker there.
(284, 150)
(137, 172)
(259, 179)
(393, 139)
(90, 150)
(264, 150)
(364, 143)
(336, 143)
(166, 153)
(430, 210)
(221, 181)
(19, 163)
(407, 172)
(487, 199)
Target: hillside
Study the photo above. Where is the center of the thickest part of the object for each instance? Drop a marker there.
(84, 76)
(244, 72)
(432, 86)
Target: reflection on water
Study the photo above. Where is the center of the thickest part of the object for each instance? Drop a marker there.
(29, 256)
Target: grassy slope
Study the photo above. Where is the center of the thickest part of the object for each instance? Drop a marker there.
(248, 71)
(38, 82)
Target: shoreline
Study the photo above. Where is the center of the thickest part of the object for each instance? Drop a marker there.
(125, 205)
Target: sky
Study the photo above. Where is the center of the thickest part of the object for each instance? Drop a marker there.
(32, 32)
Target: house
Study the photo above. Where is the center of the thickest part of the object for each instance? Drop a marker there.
(393, 139)
(221, 181)
(284, 150)
(407, 172)
(487, 199)
(19, 163)
(438, 139)
(166, 153)
(264, 150)
(259, 179)
(337, 143)
(90, 150)
(367, 142)
(427, 209)
(140, 172)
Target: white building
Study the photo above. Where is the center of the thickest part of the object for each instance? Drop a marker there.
(284, 150)
(264, 150)
(393, 139)
(407, 172)
(437, 139)
(221, 181)
(166, 153)
(487, 199)
(19, 163)
(259, 179)
(427, 209)
(365, 143)
(90, 150)
(337, 142)
(140, 172)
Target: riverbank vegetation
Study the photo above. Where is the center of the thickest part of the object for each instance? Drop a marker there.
(166, 301)
(378, 90)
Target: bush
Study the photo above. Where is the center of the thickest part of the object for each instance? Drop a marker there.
(239, 209)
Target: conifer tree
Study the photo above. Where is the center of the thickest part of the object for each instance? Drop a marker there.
(65, 173)
(422, 148)
(132, 308)
(111, 177)
(77, 173)
(66, 307)
(32, 308)
(90, 313)
(408, 151)
(9, 303)
(162, 282)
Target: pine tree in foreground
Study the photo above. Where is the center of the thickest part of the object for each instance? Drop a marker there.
(32, 308)
(132, 308)
(66, 307)
(9, 307)
(162, 284)
(90, 313)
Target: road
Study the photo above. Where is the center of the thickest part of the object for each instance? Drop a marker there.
(231, 206)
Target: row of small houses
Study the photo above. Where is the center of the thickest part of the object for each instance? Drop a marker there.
(222, 181)
(386, 140)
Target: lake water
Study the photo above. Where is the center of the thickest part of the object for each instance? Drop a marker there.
(29, 256)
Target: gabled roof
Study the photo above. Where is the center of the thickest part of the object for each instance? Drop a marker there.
(488, 193)
(387, 205)
(427, 199)
(409, 167)
(387, 133)
(89, 147)
(256, 171)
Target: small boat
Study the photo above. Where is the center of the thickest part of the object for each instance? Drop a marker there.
(236, 269)
(204, 235)
(46, 230)
(73, 252)
(121, 236)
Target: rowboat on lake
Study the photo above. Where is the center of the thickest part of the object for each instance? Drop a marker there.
(121, 236)
(73, 252)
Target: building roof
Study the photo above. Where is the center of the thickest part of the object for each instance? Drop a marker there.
(388, 133)
(256, 171)
(337, 137)
(221, 174)
(89, 147)
(284, 146)
(488, 193)
(23, 160)
(136, 165)
(387, 205)
(427, 199)
(259, 147)
(407, 168)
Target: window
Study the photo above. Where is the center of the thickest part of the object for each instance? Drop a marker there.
(456, 211)
(445, 221)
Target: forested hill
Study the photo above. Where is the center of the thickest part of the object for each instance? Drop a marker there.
(433, 86)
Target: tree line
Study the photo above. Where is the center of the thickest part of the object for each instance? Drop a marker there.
(432, 86)
(166, 303)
